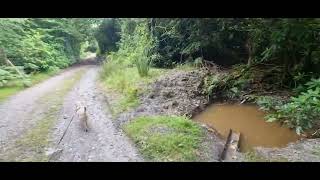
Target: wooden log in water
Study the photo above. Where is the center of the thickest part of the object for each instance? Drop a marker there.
(231, 146)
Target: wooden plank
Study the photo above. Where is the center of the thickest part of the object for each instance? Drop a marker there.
(231, 146)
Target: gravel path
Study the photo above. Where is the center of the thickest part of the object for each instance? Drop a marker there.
(16, 111)
(102, 143)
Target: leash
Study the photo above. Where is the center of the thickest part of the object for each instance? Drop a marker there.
(64, 133)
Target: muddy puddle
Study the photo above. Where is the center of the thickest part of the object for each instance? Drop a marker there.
(249, 121)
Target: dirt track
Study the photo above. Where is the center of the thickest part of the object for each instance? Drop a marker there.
(102, 143)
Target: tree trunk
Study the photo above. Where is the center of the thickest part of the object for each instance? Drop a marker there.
(151, 26)
(3, 57)
(250, 51)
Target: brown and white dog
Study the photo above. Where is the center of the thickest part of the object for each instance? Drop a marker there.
(81, 112)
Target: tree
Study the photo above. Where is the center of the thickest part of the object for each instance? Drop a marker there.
(107, 35)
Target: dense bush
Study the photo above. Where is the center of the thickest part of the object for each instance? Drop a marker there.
(302, 112)
(283, 52)
(289, 44)
(37, 44)
(107, 35)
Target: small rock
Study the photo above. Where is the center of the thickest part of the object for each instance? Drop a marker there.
(151, 96)
(184, 79)
(53, 152)
(175, 103)
(140, 110)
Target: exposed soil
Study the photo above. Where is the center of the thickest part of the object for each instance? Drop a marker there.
(177, 93)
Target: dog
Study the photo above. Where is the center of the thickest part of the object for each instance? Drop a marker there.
(81, 112)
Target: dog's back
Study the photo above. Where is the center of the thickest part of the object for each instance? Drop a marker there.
(81, 112)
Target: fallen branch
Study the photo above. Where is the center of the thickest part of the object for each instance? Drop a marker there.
(7, 61)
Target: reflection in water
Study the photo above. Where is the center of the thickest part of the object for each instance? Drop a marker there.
(249, 121)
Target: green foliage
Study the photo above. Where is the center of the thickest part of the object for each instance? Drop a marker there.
(15, 85)
(303, 111)
(6, 92)
(107, 35)
(8, 75)
(221, 85)
(135, 46)
(53, 70)
(143, 65)
(211, 84)
(268, 103)
(41, 44)
(290, 44)
(38, 43)
(180, 39)
(313, 83)
(166, 138)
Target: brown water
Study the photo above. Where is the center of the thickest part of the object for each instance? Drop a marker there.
(249, 121)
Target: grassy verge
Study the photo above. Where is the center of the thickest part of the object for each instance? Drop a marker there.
(126, 82)
(186, 67)
(31, 147)
(15, 87)
(166, 138)
(6, 92)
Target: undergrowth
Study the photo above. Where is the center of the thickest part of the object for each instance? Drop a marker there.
(127, 82)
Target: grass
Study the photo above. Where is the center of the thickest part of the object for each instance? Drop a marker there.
(166, 138)
(17, 86)
(39, 77)
(37, 138)
(127, 82)
(143, 65)
(6, 92)
(186, 67)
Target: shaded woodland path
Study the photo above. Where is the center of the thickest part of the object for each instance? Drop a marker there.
(33, 121)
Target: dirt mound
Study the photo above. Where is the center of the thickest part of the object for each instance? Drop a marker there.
(179, 93)
(176, 93)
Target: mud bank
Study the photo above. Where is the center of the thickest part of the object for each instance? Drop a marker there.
(181, 93)
(176, 93)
